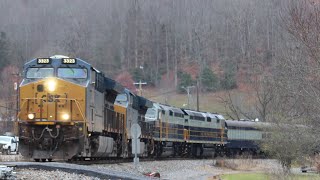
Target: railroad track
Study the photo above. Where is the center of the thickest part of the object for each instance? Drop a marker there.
(126, 160)
(115, 160)
(100, 161)
(74, 168)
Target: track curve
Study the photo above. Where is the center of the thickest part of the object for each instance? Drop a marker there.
(75, 168)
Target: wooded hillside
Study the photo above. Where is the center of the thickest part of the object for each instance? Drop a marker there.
(223, 45)
(165, 37)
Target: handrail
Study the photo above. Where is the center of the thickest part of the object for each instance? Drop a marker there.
(21, 108)
(84, 118)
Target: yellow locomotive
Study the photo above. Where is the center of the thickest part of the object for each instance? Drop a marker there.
(69, 109)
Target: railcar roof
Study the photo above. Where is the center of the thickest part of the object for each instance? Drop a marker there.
(144, 103)
(215, 116)
(177, 110)
(195, 113)
(164, 107)
(173, 109)
(236, 123)
(111, 84)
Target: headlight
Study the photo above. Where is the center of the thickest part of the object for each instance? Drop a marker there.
(31, 116)
(65, 116)
(51, 85)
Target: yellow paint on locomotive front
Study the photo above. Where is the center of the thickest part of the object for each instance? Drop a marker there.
(60, 101)
(122, 110)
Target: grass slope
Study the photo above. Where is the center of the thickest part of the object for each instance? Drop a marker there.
(262, 176)
(246, 176)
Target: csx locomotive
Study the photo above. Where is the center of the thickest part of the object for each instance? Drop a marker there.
(70, 110)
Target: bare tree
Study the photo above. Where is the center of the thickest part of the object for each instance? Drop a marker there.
(295, 103)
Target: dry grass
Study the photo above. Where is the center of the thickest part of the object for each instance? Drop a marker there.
(268, 169)
(316, 162)
(313, 162)
(249, 164)
(239, 164)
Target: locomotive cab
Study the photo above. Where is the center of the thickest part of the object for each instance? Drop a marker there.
(53, 90)
(153, 114)
(52, 104)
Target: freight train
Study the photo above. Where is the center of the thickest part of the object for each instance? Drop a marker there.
(70, 110)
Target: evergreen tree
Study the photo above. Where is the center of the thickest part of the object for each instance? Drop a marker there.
(228, 80)
(209, 80)
(4, 50)
(137, 74)
(185, 80)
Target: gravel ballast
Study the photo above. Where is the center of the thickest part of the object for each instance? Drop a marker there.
(168, 169)
(191, 169)
(36, 174)
(89, 171)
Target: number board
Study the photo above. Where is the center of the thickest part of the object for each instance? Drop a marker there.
(43, 60)
(69, 61)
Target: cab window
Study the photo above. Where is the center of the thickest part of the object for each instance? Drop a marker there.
(35, 73)
(72, 73)
(122, 99)
(151, 113)
(208, 119)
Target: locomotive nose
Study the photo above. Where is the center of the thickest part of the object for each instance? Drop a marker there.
(51, 85)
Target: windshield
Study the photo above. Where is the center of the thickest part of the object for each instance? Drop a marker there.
(151, 113)
(72, 73)
(5, 140)
(39, 72)
(122, 100)
(122, 97)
